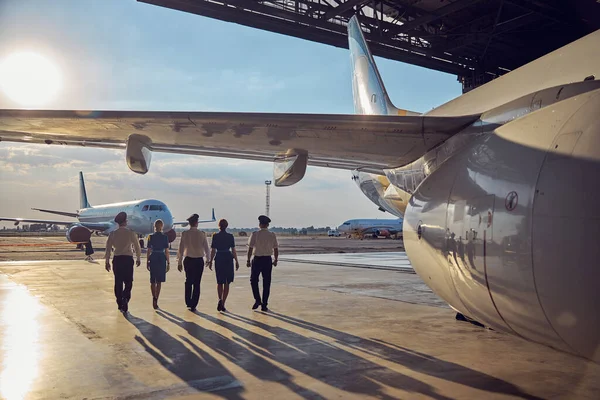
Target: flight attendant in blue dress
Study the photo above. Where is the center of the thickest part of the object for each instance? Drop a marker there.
(223, 246)
(157, 260)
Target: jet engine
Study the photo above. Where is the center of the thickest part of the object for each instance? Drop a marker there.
(171, 235)
(506, 230)
(382, 232)
(78, 234)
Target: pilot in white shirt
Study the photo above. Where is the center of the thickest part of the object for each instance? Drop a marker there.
(262, 244)
(193, 247)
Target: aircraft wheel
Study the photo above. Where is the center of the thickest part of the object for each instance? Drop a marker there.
(142, 243)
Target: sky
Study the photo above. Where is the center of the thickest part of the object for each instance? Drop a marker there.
(125, 55)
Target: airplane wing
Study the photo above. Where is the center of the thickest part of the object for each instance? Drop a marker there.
(65, 213)
(93, 226)
(368, 142)
(185, 223)
(17, 221)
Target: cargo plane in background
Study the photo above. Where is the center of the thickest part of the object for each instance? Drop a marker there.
(141, 215)
(497, 187)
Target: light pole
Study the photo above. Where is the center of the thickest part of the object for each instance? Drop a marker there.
(268, 199)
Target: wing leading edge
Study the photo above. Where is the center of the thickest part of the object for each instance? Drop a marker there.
(368, 142)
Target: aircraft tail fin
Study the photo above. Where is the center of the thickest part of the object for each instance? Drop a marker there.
(370, 96)
(83, 200)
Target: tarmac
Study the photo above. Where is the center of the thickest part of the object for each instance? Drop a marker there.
(333, 332)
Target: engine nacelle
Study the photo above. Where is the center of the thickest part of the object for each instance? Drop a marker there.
(78, 234)
(379, 190)
(506, 230)
(138, 153)
(383, 232)
(171, 235)
(289, 168)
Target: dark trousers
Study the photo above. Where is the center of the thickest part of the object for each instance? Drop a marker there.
(123, 270)
(89, 250)
(193, 275)
(261, 265)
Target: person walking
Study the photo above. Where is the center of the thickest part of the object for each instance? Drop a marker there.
(223, 252)
(157, 260)
(192, 248)
(122, 240)
(262, 244)
(89, 250)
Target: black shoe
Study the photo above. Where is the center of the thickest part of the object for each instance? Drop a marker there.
(223, 309)
(264, 308)
(124, 306)
(256, 305)
(220, 306)
(193, 309)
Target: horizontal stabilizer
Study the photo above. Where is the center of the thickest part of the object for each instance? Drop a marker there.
(66, 214)
(185, 223)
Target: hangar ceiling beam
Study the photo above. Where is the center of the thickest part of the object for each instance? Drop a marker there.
(439, 13)
(342, 8)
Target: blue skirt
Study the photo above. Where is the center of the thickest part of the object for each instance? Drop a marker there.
(158, 267)
(224, 267)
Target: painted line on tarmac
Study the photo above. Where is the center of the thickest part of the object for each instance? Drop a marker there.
(408, 270)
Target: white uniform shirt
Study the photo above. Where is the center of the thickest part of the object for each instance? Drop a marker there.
(193, 244)
(263, 242)
(122, 240)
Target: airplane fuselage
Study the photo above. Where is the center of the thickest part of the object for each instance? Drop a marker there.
(371, 226)
(141, 214)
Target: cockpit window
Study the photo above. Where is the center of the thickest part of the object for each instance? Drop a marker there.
(346, 223)
(145, 208)
(156, 207)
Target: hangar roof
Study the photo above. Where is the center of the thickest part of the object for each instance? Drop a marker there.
(477, 40)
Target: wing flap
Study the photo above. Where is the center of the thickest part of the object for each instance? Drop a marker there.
(370, 142)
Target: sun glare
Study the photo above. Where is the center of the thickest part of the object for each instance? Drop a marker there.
(29, 79)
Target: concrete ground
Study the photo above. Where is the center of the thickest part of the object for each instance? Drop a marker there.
(334, 332)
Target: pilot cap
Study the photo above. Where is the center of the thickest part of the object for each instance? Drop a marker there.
(263, 219)
(121, 217)
(193, 218)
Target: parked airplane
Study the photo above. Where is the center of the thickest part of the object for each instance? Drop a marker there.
(141, 215)
(497, 187)
(373, 227)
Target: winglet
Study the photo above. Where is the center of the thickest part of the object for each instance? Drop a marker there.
(213, 214)
(370, 96)
(83, 200)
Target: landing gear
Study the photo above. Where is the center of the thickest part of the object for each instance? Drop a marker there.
(142, 243)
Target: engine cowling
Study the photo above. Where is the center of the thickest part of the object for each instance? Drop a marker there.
(505, 231)
(171, 235)
(78, 234)
(382, 232)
